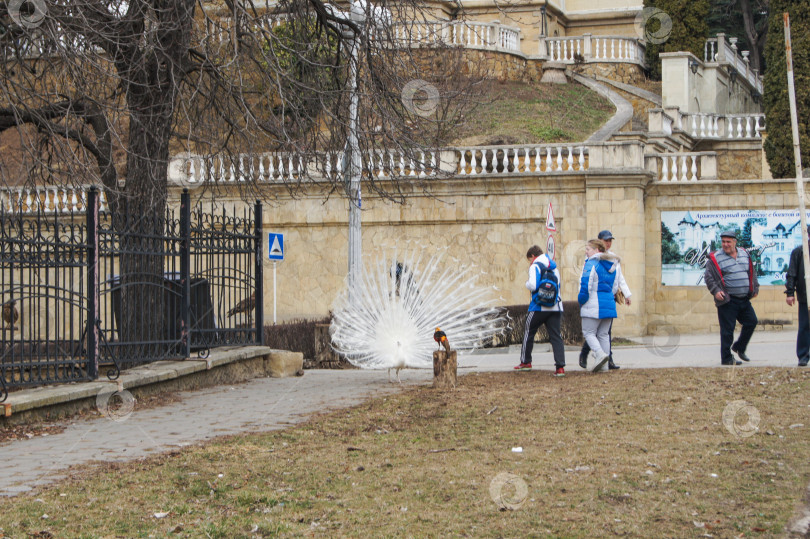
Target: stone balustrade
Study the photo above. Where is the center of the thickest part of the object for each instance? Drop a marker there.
(282, 167)
(219, 29)
(521, 159)
(682, 166)
(277, 167)
(481, 161)
(724, 50)
(704, 125)
(592, 49)
(467, 34)
(718, 126)
(48, 199)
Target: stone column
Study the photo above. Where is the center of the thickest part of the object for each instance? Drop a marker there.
(587, 51)
(542, 49)
(616, 203)
(496, 32)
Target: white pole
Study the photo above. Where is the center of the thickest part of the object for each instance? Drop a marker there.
(797, 154)
(274, 293)
(355, 235)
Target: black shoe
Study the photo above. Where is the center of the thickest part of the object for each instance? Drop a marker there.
(803, 363)
(732, 362)
(740, 354)
(612, 366)
(583, 360)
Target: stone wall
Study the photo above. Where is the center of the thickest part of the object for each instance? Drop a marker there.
(487, 221)
(737, 159)
(672, 310)
(503, 66)
(619, 71)
(491, 221)
(739, 164)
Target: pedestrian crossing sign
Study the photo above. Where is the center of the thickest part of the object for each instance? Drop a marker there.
(276, 243)
(550, 226)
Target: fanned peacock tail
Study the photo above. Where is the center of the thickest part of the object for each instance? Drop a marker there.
(399, 302)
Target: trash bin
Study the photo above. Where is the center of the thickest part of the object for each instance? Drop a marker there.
(201, 315)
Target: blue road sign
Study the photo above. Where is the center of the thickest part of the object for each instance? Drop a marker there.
(276, 243)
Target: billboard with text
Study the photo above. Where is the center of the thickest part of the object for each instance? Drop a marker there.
(687, 238)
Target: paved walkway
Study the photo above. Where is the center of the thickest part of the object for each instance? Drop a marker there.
(275, 403)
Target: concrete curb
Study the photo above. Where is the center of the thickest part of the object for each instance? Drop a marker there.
(624, 110)
(243, 362)
(634, 90)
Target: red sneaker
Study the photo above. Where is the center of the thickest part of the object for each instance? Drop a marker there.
(523, 367)
(560, 371)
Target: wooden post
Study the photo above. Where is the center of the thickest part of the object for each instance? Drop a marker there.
(444, 369)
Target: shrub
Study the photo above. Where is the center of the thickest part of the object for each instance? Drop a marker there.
(297, 335)
(690, 28)
(571, 327)
(779, 144)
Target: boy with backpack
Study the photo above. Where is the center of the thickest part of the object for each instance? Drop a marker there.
(545, 308)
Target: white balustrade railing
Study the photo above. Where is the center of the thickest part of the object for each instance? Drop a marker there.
(47, 199)
(710, 50)
(744, 126)
(471, 35)
(474, 35)
(279, 167)
(282, 167)
(724, 50)
(509, 38)
(617, 49)
(593, 49)
(477, 161)
(682, 166)
(565, 49)
(722, 126)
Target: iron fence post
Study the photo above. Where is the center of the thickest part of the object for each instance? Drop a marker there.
(185, 271)
(91, 216)
(257, 223)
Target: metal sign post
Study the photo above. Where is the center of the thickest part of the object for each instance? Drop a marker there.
(276, 242)
(797, 154)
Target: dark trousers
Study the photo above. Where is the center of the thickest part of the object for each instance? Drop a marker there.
(553, 321)
(587, 349)
(803, 338)
(736, 310)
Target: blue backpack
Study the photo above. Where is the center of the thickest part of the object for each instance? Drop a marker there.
(548, 287)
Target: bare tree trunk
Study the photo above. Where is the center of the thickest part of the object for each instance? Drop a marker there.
(142, 230)
(754, 39)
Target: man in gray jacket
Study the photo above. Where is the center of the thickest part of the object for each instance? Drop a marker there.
(731, 279)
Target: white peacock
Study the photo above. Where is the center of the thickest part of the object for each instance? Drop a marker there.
(389, 320)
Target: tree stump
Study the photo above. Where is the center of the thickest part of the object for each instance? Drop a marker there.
(444, 369)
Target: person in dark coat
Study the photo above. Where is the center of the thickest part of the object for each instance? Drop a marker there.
(795, 289)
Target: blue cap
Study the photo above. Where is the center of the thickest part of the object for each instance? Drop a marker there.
(605, 235)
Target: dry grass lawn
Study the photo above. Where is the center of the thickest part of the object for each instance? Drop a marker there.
(519, 113)
(642, 453)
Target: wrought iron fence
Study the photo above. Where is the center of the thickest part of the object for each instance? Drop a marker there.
(44, 288)
(119, 290)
